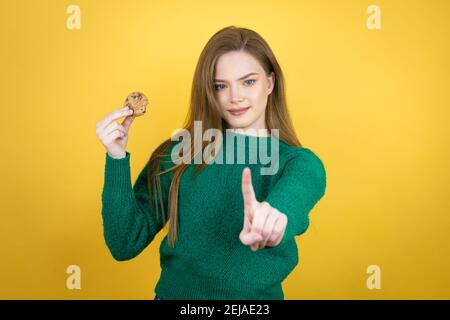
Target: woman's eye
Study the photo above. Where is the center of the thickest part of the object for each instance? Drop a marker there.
(218, 86)
(248, 82)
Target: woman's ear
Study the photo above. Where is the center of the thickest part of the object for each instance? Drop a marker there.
(271, 80)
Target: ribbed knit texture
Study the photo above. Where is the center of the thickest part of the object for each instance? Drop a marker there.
(209, 261)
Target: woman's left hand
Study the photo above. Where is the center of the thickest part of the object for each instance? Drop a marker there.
(264, 226)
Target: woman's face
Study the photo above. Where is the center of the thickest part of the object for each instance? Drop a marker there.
(242, 88)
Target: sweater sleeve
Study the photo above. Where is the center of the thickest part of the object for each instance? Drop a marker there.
(129, 222)
(301, 185)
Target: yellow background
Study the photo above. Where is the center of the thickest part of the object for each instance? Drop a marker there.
(373, 104)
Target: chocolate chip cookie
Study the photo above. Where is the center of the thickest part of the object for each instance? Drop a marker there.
(138, 102)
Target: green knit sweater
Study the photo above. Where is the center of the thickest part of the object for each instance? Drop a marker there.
(209, 261)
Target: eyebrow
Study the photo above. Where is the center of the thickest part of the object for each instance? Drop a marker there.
(247, 75)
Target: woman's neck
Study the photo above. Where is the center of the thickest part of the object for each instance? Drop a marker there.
(263, 132)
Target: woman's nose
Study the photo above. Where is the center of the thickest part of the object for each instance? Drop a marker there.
(236, 98)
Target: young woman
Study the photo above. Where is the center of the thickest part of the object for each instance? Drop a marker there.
(231, 231)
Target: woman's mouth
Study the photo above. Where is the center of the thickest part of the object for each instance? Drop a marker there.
(238, 112)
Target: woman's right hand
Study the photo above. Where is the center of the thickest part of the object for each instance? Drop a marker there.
(112, 135)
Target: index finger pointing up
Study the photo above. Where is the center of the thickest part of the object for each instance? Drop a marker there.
(247, 190)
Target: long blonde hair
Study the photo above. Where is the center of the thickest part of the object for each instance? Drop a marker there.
(205, 107)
